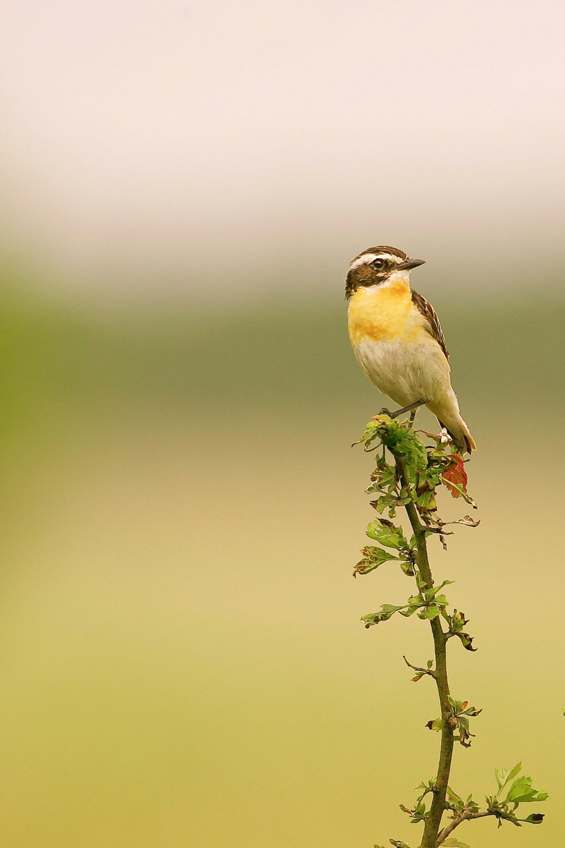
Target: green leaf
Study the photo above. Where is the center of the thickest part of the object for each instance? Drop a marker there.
(520, 790)
(458, 621)
(410, 610)
(387, 534)
(427, 500)
(388, 501)
(516, 770)
(408, 568)
(442, 601)
(534, 818)
(386, 611)
(383, 479)
(472, 711)
(373, 557)
(429, 613)
(455, 799)
(466, 641)
(473, 806)
(453, 842)
(444, 583)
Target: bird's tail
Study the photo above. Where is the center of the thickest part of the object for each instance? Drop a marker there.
(462, 438)
(449, 417)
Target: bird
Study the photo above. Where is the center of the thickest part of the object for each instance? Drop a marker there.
(398, 341)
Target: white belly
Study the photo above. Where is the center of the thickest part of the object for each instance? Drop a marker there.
(405, 372)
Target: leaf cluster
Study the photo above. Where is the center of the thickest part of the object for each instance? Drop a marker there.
(387, 534)
(427, 468)
(428, 603)
(456, 623)
(516, 790)
(458, 719)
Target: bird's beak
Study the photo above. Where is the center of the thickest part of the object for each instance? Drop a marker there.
(411, 263)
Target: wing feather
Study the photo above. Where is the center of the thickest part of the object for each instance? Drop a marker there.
(432, 321)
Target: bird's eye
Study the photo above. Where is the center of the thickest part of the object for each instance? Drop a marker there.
(378, 264)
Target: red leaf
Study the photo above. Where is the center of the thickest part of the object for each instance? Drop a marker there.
(455, 475)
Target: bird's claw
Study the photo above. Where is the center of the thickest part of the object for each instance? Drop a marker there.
(412, 407)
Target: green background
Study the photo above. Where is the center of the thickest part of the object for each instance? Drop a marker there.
(181, 656)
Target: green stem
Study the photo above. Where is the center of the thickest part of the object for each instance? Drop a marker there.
(468, 816)
(433, 820)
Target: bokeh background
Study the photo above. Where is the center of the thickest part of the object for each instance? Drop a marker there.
(184, 184)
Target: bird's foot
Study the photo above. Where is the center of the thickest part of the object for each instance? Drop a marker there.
(411, 408)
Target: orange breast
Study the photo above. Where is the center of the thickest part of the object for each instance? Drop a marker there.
(383, 314)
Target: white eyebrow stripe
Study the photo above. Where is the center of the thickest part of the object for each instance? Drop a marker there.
(363, 260)
(367, 258)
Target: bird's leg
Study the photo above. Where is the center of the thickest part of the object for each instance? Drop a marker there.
(412, 408)
(413, 415)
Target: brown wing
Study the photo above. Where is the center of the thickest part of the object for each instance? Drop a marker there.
(432, 321)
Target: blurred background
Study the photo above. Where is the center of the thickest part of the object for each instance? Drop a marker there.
(184, 185)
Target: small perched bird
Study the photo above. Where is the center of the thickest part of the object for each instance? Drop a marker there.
(398, 340)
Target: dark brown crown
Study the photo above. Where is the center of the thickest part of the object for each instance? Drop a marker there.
(382, 248)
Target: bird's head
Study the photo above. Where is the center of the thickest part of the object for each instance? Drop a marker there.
(376, 266)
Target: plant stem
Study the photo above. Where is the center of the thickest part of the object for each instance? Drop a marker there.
(433, 820)
(456, 822)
